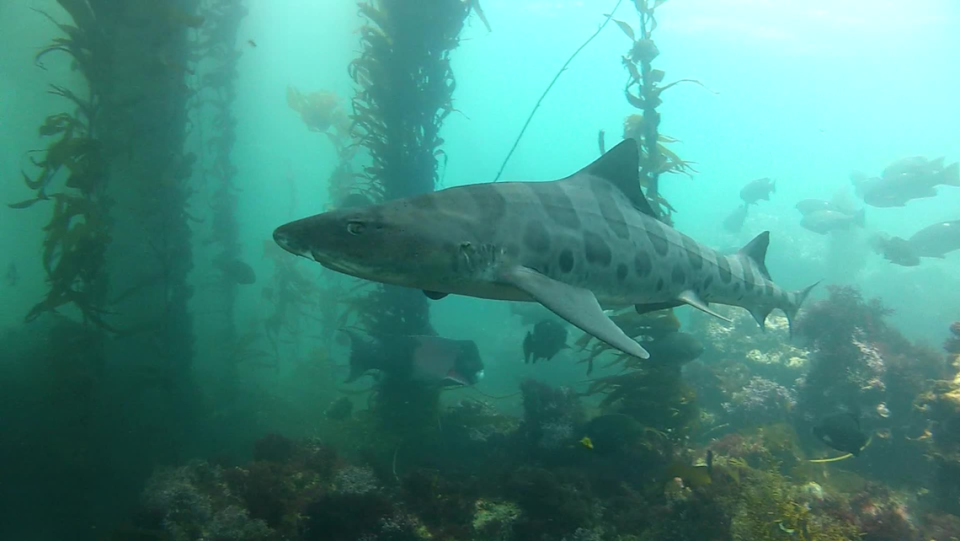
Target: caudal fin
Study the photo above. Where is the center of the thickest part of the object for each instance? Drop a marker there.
(797, 298)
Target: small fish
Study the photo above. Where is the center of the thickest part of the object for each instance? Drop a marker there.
(236, 271)
(12, 276)
(734, 221)
(808, 206)
(825, 221)
(841, 431)
(432, 360)
(340, 409)
(936, 240)
(675, 348)
(587, 442)
(546, 340)
(531, 313)
(755, 190)
(896, 250)
(252, 43)
(601, 136)
(904, 180)
(883, 410)
(710, 462)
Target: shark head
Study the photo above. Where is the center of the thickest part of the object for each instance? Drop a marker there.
(392, 243)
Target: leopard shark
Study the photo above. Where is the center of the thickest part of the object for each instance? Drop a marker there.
(578, 245)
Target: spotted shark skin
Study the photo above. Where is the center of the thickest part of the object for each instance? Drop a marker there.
(563, 243)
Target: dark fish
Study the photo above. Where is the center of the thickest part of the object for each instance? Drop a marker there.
(546, 340)
(825, 221)
(12, 276)
(236, 271)
(756, 190)
(710, 462)
(896, 250)
(905, 180)
(734, 221)
(936, 240)
(531, 313)
(428, 359)
(674, 348)
(341, 409)
(808, 206)
(252, 43)
(841, 431)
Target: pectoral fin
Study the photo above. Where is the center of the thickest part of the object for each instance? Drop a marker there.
(577, 305)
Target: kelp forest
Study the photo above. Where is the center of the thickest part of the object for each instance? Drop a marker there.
(180, 368)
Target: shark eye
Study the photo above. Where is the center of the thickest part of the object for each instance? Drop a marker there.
(355, 228)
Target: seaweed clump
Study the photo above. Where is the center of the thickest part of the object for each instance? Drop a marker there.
(405, 91)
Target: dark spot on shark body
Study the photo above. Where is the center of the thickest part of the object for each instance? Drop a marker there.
(723, 267)
(566, 260)
(693, 252)
(678, 276)
(748, 278)
(596, 249)
(621, 272)
(609, 209)
(536, 237)
(642, 264)
(557, 204)
(658, 239)
(488, 198)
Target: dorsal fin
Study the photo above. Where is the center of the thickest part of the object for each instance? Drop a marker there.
(756, 251)
(620, 166)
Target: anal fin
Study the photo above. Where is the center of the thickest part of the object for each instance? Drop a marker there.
(577, 305)
(690, 297)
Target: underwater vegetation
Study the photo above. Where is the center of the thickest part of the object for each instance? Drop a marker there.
(405, 88)
(76, 238)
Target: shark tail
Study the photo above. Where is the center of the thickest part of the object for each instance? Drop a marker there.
(796, 299)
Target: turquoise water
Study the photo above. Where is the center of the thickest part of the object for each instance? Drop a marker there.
(801, 92)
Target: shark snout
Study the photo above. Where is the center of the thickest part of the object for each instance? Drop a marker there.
(287, 240)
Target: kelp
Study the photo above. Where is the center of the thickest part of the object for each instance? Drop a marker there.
(643, 91)
(213, 116)
(404, 92)
(79, 230)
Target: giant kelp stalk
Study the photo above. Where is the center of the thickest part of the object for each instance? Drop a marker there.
(216, 125)
(74, 165)
(655, 158)
(405, 92)
(117, 248)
